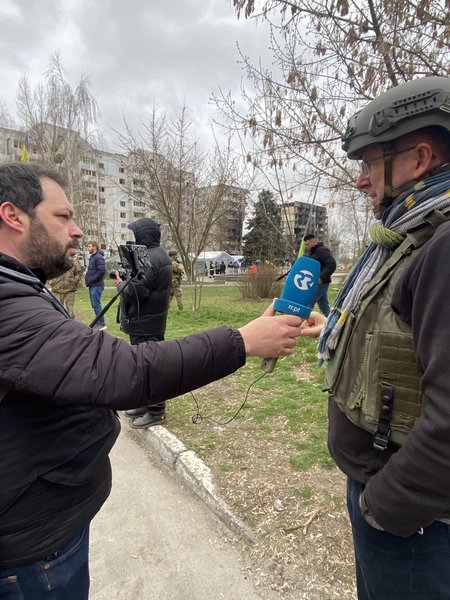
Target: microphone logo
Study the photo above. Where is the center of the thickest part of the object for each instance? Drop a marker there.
(304, 280)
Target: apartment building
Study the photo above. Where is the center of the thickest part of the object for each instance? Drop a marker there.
(300, 218)
(108, 192)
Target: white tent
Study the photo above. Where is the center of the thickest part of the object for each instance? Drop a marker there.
(216, 256)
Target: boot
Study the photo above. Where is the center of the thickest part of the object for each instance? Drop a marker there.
(136, 412)
(148, 420)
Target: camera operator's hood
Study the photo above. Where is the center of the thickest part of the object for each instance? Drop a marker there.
(146, 232)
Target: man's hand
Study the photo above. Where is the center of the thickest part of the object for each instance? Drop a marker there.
(117, 279)
(313, 325)
(271, 335)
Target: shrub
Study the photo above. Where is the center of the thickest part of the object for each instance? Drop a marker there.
(262, 284)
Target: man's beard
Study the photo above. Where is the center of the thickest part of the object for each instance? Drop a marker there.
(45, 253)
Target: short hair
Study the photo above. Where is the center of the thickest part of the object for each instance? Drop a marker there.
(93, 243)
(309, 236)
(440, 139)
(20, 184)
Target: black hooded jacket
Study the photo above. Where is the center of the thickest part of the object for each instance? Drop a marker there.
(327, 263)
(145, 300)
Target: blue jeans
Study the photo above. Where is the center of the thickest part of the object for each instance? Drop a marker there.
(396, 568)
(63, 575)
(95, 295)
(321, 297)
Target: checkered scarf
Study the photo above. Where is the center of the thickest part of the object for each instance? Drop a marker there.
(408, 211)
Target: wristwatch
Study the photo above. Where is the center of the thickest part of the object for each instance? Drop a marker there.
(366, 514)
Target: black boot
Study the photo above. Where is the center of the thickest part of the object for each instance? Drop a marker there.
(136, 412)
(148, 420)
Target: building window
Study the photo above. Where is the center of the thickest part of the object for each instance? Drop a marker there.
(122, 181)
(101, 188)
(122, 203)
(101, 165)
(101, 201)
(121, 170)
(123, 215)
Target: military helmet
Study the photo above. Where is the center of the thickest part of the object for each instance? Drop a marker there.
(173, 253)
(403, 109)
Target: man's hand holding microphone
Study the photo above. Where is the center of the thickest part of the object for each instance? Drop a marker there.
(275, 335)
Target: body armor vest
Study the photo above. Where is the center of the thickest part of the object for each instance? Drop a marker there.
(373, 375)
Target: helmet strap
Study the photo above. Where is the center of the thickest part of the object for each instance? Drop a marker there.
(389, 192)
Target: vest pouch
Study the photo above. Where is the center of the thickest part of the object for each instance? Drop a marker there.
(398, 367)
(389, 358)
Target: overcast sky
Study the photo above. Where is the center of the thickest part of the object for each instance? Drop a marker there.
(139, 53)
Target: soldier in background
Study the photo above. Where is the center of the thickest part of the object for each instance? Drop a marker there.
(178, 273)
(65, 286)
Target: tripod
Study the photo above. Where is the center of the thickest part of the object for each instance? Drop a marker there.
(111, 302)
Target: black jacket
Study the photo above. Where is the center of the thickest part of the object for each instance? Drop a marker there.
(145, 300)
(57, 423)
(95, 273)
(327, 263)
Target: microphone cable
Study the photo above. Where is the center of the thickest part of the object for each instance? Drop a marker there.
(198, 418)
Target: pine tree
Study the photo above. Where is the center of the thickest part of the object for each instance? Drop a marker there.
(264, 240)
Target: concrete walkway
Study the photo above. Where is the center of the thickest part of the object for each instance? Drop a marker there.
(154, 539)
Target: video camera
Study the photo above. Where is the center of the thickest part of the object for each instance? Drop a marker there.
(133, 258)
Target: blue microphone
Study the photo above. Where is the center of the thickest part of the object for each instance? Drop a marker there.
(300, 286)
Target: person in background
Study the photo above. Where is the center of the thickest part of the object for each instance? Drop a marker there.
(178, 273)
(66, 285)
(322, 254)
(144, 304)
(94, 280)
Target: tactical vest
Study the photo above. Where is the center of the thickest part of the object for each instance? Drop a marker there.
(373, 375)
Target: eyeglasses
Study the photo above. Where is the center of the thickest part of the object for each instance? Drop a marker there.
(366, 165)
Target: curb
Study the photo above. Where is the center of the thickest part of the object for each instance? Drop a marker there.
(191, 470)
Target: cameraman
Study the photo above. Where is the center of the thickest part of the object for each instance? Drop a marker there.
(144, 304)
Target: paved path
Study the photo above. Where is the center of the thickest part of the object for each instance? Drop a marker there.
(154, 540)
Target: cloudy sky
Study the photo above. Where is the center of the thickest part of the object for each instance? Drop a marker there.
(139, 53)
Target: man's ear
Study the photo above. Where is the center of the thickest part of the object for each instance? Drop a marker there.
(12, 216)
(423, 154)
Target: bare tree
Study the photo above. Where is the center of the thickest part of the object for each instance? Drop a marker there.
(328, 58)
(60, 122)
(188, 189)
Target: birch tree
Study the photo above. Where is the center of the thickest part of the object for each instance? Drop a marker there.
(60, 119)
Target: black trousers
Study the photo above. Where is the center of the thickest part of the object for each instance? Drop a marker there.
(154, 409)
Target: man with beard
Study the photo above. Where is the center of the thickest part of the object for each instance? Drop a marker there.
(61, 383)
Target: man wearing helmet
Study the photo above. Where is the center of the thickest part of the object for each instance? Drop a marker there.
(386, 344)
